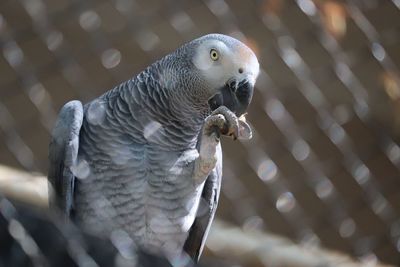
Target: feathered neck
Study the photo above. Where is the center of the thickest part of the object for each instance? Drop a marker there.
(164, 97)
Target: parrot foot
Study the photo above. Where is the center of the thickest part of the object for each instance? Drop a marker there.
(222, 121)
(225, 122)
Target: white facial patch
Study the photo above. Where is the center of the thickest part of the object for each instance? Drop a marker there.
(202, 59)
(217, 72)
(234, 61)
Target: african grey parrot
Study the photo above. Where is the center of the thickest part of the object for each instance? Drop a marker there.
(144, 159)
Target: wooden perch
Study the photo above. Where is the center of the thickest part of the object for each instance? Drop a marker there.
(260, 249)
(23, 186)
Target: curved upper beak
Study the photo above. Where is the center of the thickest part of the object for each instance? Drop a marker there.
(235, 95)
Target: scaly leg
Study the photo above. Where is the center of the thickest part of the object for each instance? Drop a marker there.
(221, 121)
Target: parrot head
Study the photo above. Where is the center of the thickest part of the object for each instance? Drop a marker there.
(229, 68)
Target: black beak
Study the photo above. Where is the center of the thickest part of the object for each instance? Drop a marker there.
(236, 96)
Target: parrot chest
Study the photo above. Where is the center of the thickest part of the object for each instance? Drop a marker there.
(148, 193)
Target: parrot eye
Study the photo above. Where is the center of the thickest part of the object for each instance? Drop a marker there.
(214, 54)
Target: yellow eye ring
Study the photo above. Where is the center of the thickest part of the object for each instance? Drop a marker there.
(214, 54)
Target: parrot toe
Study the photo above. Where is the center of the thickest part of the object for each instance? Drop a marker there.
(224, 121)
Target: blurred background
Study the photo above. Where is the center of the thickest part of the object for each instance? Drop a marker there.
(323, 167)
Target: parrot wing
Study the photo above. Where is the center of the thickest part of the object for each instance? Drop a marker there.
(63, 153)
(198, 232)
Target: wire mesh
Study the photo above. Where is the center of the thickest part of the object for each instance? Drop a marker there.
(323, 165)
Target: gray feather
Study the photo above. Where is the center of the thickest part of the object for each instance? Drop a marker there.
(63, 152)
